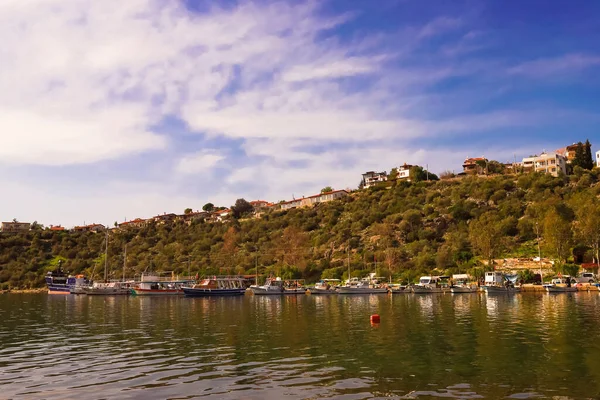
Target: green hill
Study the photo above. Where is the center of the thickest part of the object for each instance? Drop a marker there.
(402, 229)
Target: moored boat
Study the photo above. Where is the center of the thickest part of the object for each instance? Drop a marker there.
(295, 286)
(561, 284)
(216, 286)
(431, 284)
(273, 286)
(153, 284)
(108, 289)
(498, 283)
(461, 284)
(325, 286)
(396, 288)
(60, 283)
(367, 285)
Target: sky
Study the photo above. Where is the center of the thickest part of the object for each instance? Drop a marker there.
(113, 110)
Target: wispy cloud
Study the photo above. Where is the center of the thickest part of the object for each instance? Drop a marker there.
(199, 163)
(439, 25)
(544, 67)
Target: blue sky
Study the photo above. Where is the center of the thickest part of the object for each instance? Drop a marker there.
(115, 110)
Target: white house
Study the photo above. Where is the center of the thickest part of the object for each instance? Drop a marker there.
(550, 163)
(598, 158)
(404, 171)
(372, 178)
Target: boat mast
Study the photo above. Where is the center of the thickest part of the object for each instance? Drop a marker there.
(348, 255)
(106, 259)
(124, 262)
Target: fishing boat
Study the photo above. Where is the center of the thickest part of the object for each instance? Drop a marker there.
(561, 284)
(367, 285)
(154, 284)
(273, 286)
(216, 286)
(431, 284)
(60, 283)
(80, 282)
(295, 286)
(461, 284)
(498, 283)
(325, 286)
(109, 288)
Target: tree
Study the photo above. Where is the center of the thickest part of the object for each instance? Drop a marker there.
(579, 159)
(495, 167)
(208, 207)
(327, 189)
(587, 224)
(418, 174)
(485, 234)
(241, 208)
(558, 235)
(187, 211)
(588, 161)
(393, 174)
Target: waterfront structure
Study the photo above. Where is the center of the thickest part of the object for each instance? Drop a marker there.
(313, 200)
(15, 226)
(372, 178)
(475, 165)
(550, 163)
(90, 228)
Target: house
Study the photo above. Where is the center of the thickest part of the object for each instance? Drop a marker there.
(90, 228)
(193, 216)
(15, 226)
(313, 200)
(136, 223)
(57, 228)
(404, 171)
(220, 215)
(570, 151)
(598, 159)
(372, 178)
(475, 165)
(164, 218)
(550, 163)
(260, 205)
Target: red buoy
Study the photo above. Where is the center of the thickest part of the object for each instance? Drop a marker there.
(375, 319)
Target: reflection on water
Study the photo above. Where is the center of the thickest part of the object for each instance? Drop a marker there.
(464, 346)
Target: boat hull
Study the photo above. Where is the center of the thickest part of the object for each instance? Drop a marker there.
(294, 291)
(561, 289)
(500, 290)
(107, 291)
(355, 290)
(322, 291)
(195, 292)
(266, 292)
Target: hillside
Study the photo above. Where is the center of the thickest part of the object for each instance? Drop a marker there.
(404, 230)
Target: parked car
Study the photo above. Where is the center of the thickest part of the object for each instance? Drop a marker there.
(586, 277)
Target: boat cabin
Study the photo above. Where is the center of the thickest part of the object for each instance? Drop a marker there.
(494, 278)
(433, 281)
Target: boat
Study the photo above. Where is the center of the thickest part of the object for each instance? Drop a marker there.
(461, 284)
(295, 286)
(216, 286)
(561, 284)
(325, 286)
(273, 286)
(60, 283)
(80, 282)
(109, 288)
(431, 284)
(498, 283)
(153, 284)
(367, 285)
(396, 288)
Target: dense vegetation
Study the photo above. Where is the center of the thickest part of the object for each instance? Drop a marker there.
(401, 229)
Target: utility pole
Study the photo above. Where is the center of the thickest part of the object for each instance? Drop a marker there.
(427, 171)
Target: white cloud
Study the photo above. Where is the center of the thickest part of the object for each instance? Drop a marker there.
(200, 162)
(545, 67)
(440, 25)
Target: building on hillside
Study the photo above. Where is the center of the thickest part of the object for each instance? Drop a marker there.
(404, 171)
(550, 163)
(193, 216)
(90, 228)
(372, 178)
(220, 215)
(570, 151)
(260, 205)
(135, 223)
(598, 159)
(164, 218)
(56, 228)
(314, 200)
(15, 226)
(475, 165)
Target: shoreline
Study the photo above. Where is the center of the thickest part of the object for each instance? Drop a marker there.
(24, 291)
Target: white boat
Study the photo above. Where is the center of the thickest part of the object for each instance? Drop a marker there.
(367, 285)
(325, 286)
(492, 289)
(160, 284)
(271, 287)
(431, 284)
(396, 288)
(108, 288)
(564, 284)
(461, 284)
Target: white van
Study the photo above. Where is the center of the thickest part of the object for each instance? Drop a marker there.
(586, 277)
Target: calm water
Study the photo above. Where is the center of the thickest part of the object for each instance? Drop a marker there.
(450, 346)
